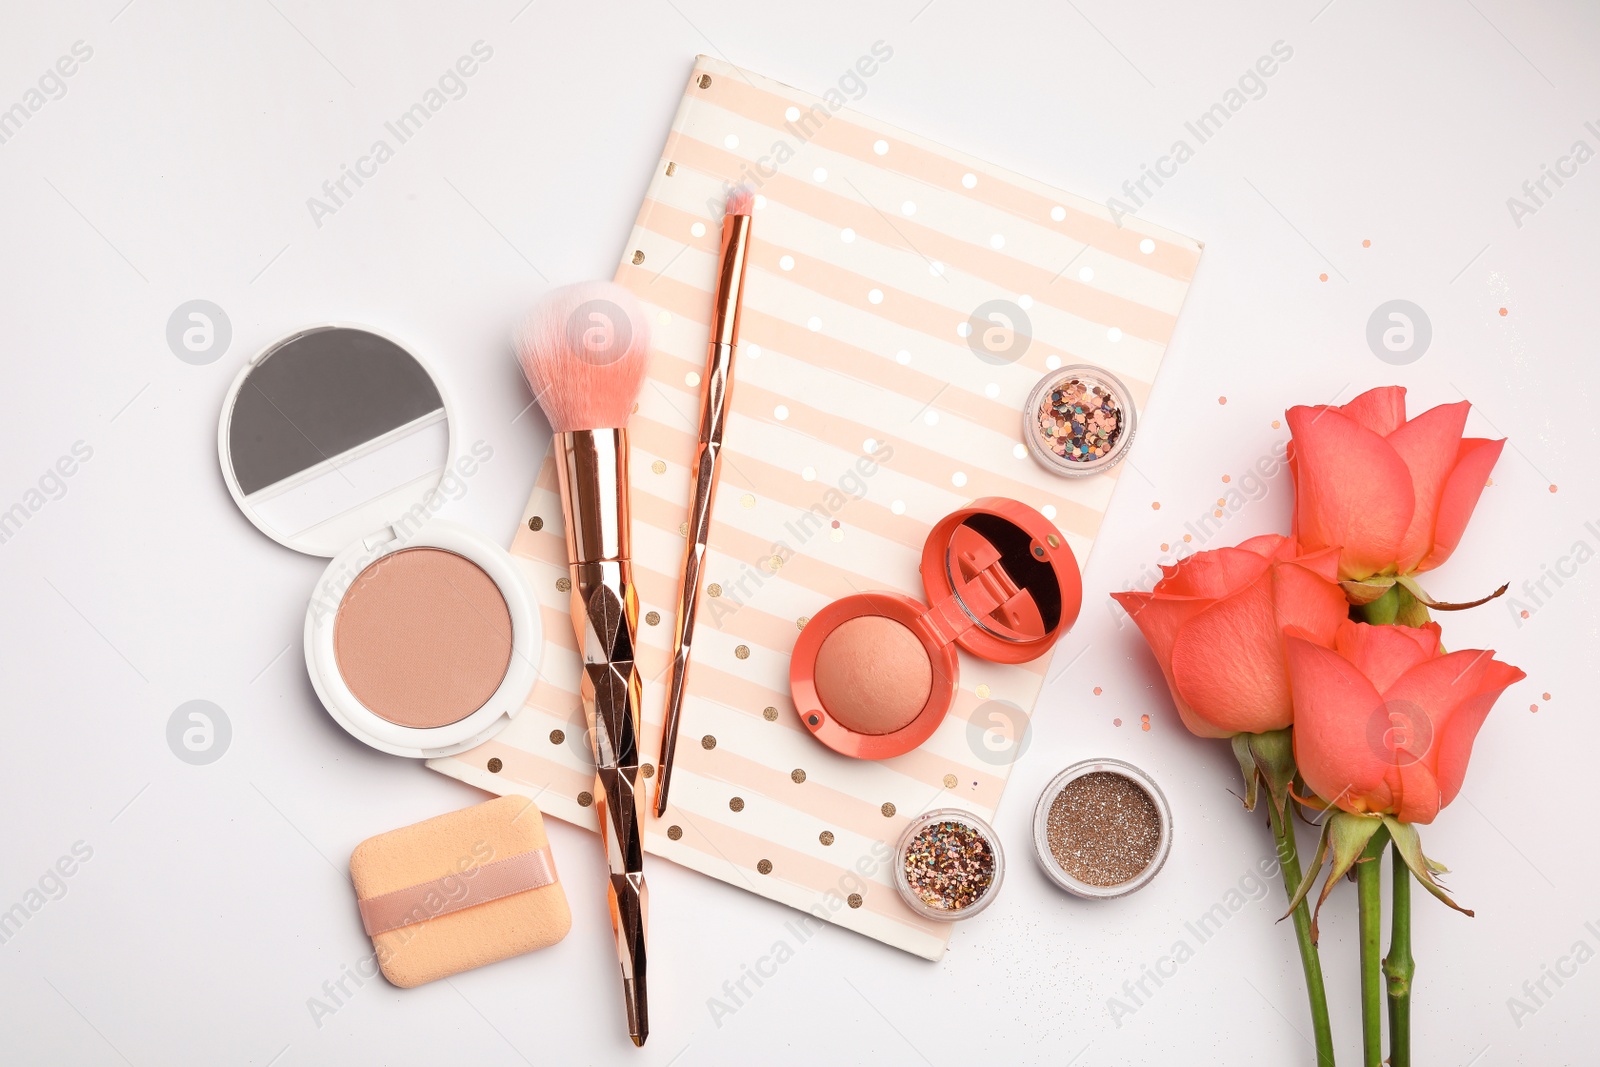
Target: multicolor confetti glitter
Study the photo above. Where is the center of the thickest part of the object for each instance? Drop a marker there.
(949, 865)
(1103, 828)
(1080, 421)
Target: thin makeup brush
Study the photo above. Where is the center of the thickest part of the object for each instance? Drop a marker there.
(584, 351)
(717, 386)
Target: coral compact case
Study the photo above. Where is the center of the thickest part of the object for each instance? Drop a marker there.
(873, 674)
(421, 637)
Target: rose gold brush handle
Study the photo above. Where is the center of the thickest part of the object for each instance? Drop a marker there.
(727, 308)
(713, 421)
(592, 466)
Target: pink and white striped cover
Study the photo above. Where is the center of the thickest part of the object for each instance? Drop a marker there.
(861, 416)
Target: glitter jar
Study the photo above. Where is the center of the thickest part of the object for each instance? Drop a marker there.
(1091, 853)
(1078, 421)
(929, 856)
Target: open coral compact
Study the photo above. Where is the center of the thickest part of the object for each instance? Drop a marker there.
(873, 674)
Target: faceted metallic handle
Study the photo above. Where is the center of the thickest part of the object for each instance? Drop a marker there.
(713, 418)
(593, 469)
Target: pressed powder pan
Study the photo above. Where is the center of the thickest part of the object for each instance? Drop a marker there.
(873, 674)
(421, 636)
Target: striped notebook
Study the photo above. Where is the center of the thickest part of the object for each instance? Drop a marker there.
(902, 300)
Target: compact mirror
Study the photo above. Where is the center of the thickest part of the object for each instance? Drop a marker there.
(330, 434)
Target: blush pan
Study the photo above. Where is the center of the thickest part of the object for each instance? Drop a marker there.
(874, 674)
(423, 638)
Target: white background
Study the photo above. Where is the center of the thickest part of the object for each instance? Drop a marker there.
(178, 165)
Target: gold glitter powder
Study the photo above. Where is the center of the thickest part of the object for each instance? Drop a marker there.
(1103, 828)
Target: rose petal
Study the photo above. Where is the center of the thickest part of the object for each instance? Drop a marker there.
(1475, 459)
(1352, 490)
(1429, 445)
(1381, 410)
(1213, 573)
(1159, 619)
(1451, 696)
(1384, 653)
(1227, 665)
(1333, 708)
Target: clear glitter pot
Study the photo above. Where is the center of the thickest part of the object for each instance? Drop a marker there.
(903, 883)
(1092, 378)
(1041, 834)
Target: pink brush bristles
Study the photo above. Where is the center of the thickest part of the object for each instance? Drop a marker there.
(584, 351)
(741, 200)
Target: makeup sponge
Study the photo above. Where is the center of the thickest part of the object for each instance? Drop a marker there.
(872, 674)
(460, 891)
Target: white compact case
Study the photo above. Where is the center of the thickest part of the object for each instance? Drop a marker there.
(336, 441)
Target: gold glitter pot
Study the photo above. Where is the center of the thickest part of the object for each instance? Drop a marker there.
(948, 865)
(1078, 421)
(1113, 824)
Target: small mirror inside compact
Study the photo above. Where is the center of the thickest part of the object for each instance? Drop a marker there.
(331, 434)
(1003, 575)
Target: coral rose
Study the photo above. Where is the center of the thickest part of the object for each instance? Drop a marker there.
(1215, 623)
(1392, 494)
(1384, 720)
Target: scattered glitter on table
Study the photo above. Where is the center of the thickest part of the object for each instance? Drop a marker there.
(949, 865)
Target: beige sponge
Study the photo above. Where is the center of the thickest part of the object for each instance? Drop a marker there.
(453, 893)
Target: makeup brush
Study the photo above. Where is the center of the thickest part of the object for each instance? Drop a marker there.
(584, 351)
(716, 387)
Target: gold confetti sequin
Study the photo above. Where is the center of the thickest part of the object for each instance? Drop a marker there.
(888, 809)
(652, 618)
(949, 781)
(764, 867)
(854, 900)
(798, 775)
(563, 584)
(495, 765)
(585, 798)
(659, 467)
(713, 589)
(736, 804)
(648, 770)
(826, 837)
(535, 524)
(770, 714)
(748, 501)
(742, 651)
(674, 832)
(708, 742)
(800, 623)
(557, 736)
(982, 691)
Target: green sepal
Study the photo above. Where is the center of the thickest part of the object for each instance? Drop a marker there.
(1409, 844)
(1361, 593)
(1345, 837)
(1417, 591)
(1267, 757)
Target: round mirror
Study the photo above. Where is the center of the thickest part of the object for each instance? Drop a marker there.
(331, 434)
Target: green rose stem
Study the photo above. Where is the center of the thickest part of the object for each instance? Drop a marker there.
(1369, 894)
(1310, 959)
(1268, 759)
(1398, 967)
